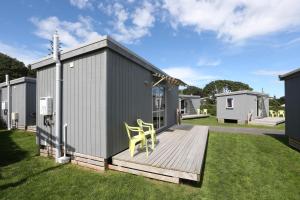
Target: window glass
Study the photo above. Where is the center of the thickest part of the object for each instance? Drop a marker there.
(229, 103)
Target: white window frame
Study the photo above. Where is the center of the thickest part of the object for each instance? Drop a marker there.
(232, 103)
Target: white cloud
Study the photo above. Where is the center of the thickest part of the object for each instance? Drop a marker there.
(129, 26)
(81, 4)
(22, 53)
(188, 75)
(265, 72)
(208, 62)
(235, 20)
(71, 33)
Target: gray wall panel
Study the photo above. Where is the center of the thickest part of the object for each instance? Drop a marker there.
(292, 106)
(30, 104)
(3, 98)
(22, 102)
(45, 87)
(243, 104)
(82, 100)
(18, 102)
(128, 99)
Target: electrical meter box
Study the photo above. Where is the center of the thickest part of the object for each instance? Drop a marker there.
(15, 116)
(4, 105)
(46, 106)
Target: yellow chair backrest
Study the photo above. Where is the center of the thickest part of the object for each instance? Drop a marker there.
(139, 122)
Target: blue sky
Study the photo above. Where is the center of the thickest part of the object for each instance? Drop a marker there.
(197, 41)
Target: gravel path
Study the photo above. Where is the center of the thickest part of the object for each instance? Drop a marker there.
(254, 131)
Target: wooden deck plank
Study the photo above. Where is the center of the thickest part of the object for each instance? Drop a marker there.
(181, 157)
(195, 154)
(165, 155)
(156, 170)
(201, 153)
(178, 153)
(163, 147)
(186, 155)
(145, 174)
(164, 143)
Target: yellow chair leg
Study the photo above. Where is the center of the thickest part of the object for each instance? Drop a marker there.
(153, 139)
(131, 148)
(146, 146)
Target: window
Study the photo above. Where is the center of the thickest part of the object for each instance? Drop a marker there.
(229, 103)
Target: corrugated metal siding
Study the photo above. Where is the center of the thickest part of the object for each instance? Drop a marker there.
(45, 87)
(84, 103)
(128, 99)
(3, 98)
(30, 104)
(292, 106)
(242, 105)
(18, 102)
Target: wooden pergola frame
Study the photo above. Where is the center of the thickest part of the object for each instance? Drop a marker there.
(169, 79)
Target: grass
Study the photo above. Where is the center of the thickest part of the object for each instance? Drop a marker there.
(237, 167)
(212, 121)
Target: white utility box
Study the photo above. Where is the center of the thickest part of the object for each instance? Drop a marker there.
(46, 106)
(4, 105)
(15, 116)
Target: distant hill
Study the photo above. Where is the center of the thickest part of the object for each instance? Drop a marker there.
(14, 68)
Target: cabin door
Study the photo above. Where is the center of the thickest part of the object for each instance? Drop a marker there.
(183, 106)
(159, 106)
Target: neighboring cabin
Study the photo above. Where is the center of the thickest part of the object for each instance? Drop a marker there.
(23, 102)
(189, 104)
(242, 106)
(104, 85)
(292, 106)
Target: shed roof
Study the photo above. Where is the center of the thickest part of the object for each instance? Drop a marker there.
(19, 80)
(189, 96)
(103, 42)
(241, 92)
(291, 73)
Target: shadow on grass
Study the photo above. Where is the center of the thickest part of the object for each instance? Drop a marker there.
(283, 139)
(10, 152)
(23, 180)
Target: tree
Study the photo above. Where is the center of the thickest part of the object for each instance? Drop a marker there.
(221, 86)
(14, 68)
(193, 90)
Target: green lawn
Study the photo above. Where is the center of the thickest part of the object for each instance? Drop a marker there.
(237, 166)
(212, 121)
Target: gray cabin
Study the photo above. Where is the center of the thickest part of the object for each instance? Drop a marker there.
(292, 106)
(189, 104)
(104, 85)
(242, 106)
(23, 102)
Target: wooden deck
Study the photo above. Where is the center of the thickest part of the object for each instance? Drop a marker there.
(268, 121)
(194, 116)
(178, 154)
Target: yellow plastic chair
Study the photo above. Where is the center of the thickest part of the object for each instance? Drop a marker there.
(272, 113)
(151, 131)
(204, 112)
(133, 140)
(281, 113)
(198, 111)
